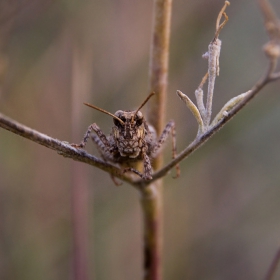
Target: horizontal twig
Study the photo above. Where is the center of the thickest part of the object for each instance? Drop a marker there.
(65, 149)
(61, 147)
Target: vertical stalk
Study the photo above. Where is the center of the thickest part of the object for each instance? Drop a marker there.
(152, 211)
(151, 195)
(159, 62)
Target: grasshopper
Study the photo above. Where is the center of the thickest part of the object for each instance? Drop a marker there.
(132, 140)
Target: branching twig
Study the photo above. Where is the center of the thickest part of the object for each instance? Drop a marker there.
(227, 116)
(203, 113)
(201, 139)
(271, 49)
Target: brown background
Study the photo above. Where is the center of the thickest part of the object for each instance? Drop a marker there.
(221, 217)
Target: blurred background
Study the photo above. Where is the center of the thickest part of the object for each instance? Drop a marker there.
(221, 217)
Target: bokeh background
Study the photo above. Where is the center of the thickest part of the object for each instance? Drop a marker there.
(221, 217)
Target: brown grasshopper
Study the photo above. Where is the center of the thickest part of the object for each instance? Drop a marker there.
(132, 140)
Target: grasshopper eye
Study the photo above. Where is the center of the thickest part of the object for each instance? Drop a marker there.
(139, 122)
(117, 123)
(120, 118)
(139, 118)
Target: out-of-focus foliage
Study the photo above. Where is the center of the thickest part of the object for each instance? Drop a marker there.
(221, 216)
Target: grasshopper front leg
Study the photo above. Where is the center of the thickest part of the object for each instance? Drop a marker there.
(104, 145)
(170, 127)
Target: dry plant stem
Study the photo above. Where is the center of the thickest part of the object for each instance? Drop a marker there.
(200, 140)
(159, 62)
(61, 147)
(213, 66)
(272, 269)
(213, 54)
(66, 150)
(151, 199)
(199, 97)
(272, 23)
(222, 13)
(152, 196)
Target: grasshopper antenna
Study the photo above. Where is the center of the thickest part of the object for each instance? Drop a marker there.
(145, 101)
(105, 112)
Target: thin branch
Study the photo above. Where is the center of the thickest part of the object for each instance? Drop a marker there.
(219, 26)
(213, 54)
(271, 22)
(272, 25)
(199, 97)
(200, 140)
(213, 71)
(61, 147)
